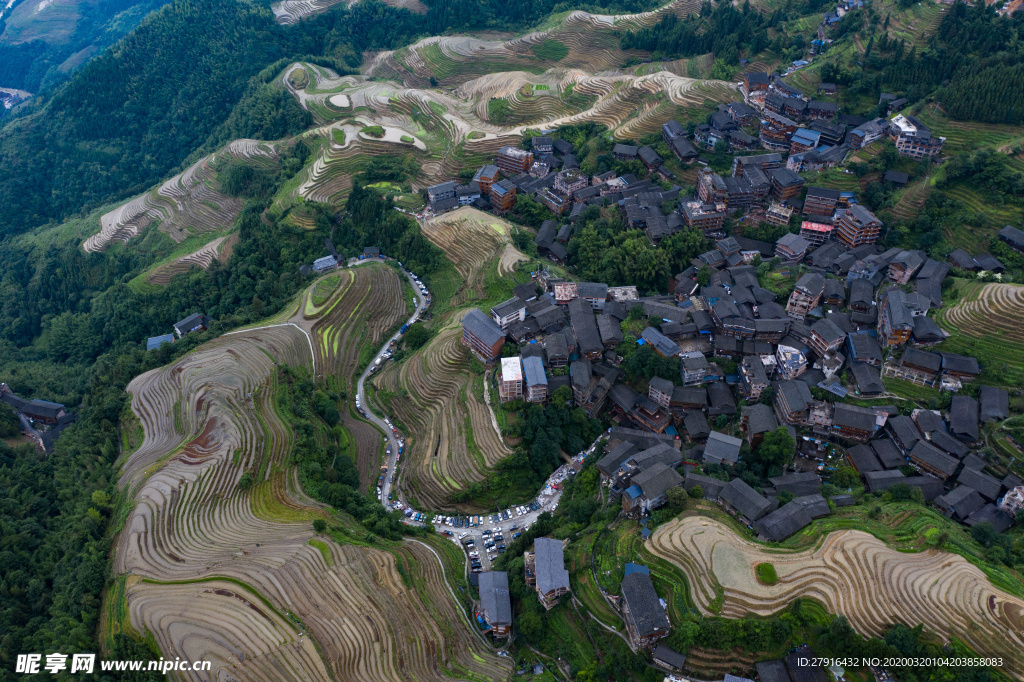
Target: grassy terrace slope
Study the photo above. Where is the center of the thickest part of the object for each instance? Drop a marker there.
(437, 393)
(451, 440)
(854, 574)
(189, 203)
(988, 322)
(214, 573)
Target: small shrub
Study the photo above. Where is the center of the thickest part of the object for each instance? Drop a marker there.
(407, 140)
(766, 574)
(319, 525)
(373, 131)
(550, 50)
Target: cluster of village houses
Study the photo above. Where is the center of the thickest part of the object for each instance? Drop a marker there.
(812, 134)
(857, 312)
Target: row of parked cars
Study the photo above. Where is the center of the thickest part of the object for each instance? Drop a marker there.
(513, 512)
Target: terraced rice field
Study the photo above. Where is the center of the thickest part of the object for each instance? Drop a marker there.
(228, 576)
(989, 318)
(219, 249)
(854, 574)
(288, 12)
(968, 136)
(451, 129)
(915, 24)
(366, 305)
(912, 200)
(189, 203)
(452, 440)
(978, 203)
(471, 239)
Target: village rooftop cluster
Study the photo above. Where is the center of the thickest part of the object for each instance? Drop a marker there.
(775, 117)
(853, 316)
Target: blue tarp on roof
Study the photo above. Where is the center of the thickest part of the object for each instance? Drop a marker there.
(636, 568)
(634, 492)
(833, 388)
(157, 341)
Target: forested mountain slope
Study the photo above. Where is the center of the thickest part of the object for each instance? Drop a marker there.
(43, 41)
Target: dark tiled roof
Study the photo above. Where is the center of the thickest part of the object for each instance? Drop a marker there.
(722, 448)
(922, 359)
(935, 458)
(962, 364)
(963, 418)
(772, 671)
(745, 499)
(494, 597)
(550, 565)
(760, 418)
(877, 481)
(783, 522)
(961, 501)
(986, 486)
(995, 403)
(482, 327)
(868, 379)
(644, 607)
(803, 483)
(854, 417)
(615, 457)
(864, 459)
(712, 487)
(666, 655)
(948, 443)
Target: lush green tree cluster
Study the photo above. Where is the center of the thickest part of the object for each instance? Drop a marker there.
(327, 472)
(724, 31)
(603, 250)
(642, 363)
(36, 65)
(973, 65)
(370, 220)
(987, 170)
(546, 432)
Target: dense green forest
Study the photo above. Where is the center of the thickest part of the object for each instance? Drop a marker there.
(973, 64)
(35, 65)
(724, 31)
